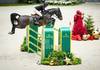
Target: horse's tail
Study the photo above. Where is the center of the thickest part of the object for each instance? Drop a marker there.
(14, 17)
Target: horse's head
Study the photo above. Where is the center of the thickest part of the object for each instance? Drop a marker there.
(55, 11)
(59, 14)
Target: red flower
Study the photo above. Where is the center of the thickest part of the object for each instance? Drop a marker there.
(76, 37)
(91, 38)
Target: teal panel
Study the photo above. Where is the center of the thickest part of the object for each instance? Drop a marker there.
(64, 41)
(49, 41)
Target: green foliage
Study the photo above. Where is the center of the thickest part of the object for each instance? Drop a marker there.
(72, 60)
(57, 54)
(76, 61)
(24, 46)
(45, 61)
(70, 55)
(57, 57)
(61, 58)
(89, 24)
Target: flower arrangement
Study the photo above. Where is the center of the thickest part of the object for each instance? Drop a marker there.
(89, 24)
(61, 58)
(93, 34)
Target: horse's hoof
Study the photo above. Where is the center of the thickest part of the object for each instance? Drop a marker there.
(11, 33)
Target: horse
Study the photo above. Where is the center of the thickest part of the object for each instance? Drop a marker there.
(21, 21)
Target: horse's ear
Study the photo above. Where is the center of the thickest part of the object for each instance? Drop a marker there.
(58, 8)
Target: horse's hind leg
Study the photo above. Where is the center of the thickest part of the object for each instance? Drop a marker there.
(13, 19)
(13, 29)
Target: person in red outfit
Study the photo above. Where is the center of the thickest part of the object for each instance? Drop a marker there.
(79, 28)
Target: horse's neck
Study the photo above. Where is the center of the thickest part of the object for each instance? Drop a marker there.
(52, 12)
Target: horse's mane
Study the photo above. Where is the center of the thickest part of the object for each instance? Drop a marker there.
(35, 14)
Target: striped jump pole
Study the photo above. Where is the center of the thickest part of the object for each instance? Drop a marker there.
(32, 38)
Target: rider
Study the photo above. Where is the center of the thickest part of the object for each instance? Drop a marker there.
(41, 11)
(41, 8)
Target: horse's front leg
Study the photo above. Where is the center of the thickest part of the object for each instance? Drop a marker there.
(52, 21)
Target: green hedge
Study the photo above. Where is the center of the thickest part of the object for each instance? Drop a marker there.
(64, 3)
